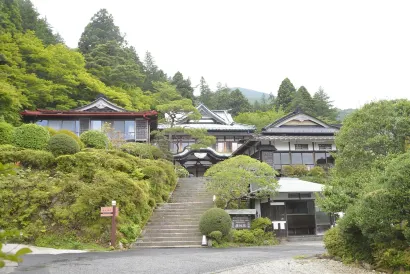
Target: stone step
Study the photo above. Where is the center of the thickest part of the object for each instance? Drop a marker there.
(171, 230)
(171, 222)
(172, 234)
(174, 226)
(303, 238)
(170, 244)
(169, 239)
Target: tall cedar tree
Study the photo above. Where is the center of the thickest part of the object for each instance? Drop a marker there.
(106, 54)
(31, 21)
(286, 93)
(303, 101)
(10, 18)
(183, 86)
(152, 73)
(205, 96)
(323, 106)
(99, 31)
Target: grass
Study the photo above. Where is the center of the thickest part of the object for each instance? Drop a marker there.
(300, 257)
(67, 242)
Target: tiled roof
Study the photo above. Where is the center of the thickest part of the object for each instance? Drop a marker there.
(213, 127)
(297, 129)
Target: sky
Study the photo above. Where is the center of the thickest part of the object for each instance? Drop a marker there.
(358, 51)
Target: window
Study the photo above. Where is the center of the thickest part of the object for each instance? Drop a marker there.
(293, 195)
(129, 130)
(307, 158)
(320, 158)
(301, 147)
(296, 208)
(69, 125)
(55, 124)
(96, 125)
(284, 159)
(43, 123)
(305, 195)
(325, 147)
(297, 159)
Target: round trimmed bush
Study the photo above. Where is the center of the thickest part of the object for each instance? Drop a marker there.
(31, 136)
(215, 219)
(95, 139)
(72, 135)
(62, 144)
(6, 133)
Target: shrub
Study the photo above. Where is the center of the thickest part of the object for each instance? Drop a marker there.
(181, 171)
(62, 144)
(335, 244)
(243, 236)
(288, 171)
(317, 171)
(216, 235)
(144, 151)
(215, 219)
(261, 223)
(300, 170)
(95, 139)
(36, 159)
(72, 135)
(51, 130)
(6, 133)
(31, 136)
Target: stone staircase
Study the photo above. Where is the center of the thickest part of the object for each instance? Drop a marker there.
(176, 224)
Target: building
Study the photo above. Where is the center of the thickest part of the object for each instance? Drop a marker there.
(293, 210)
(218, 123)
(130, 125)
(295, 139)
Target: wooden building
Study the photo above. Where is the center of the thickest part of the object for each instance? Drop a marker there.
(130, 125)
(295, 139)
(293, 210)
(219, 123)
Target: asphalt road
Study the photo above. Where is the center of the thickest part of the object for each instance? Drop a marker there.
(172, 260)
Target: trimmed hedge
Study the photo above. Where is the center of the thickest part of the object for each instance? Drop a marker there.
(62, 144)
(143, 151)
(36, 159)
(31, 136)
(72, 135)
(6, 133)
(215, 219)
(95, 139)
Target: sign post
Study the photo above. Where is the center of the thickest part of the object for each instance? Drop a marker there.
(111, 211)
(113, 224)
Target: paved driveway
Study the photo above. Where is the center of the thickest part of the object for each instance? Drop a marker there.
(173, 260)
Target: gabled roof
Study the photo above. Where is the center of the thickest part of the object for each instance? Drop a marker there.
(102, 104)
(211, 120)
(314, 125)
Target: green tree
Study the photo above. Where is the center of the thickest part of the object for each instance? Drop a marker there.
(152, 73)
(115, 65)
(285, 96)
(259, 118)
(302, 100)
(238, 102)
(205, 96)
(322, 106)
(369, 138)
(183, 86)
(10, 19)
(9, 102)
(99, 31)
(230, 180)
(31, 21)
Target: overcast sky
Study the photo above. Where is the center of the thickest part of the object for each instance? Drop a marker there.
(358, 51)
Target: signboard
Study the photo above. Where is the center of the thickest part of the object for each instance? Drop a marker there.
(106, 211)
(241, 222)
